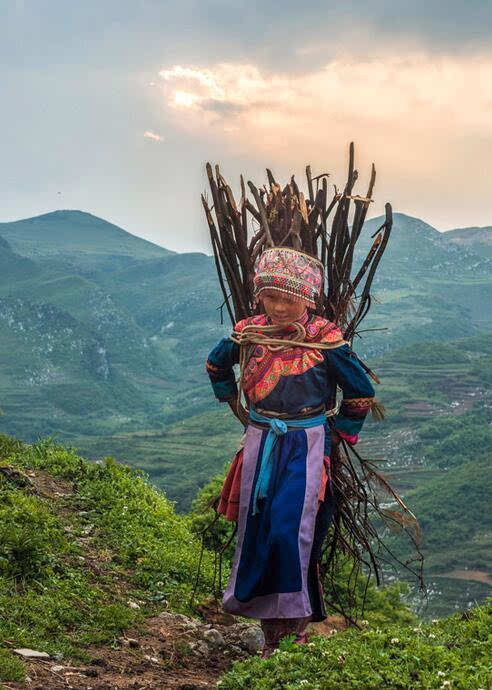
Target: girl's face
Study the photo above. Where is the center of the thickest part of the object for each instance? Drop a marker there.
(281, 308)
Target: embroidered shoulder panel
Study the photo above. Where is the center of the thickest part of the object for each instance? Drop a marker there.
(265, 368)
(320, 330)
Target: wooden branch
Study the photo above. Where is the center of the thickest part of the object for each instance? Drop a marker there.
(263, 216)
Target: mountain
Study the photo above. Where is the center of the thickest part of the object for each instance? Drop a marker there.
(77, 236)
(478, 240)
(103, 339)
(104, 335)
(425, 287)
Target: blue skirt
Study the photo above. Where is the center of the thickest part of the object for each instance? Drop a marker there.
(274, 573)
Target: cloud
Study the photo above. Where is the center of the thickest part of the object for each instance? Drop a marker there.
(425, 121)
(410, 94)
(128, 33)
(153, 136)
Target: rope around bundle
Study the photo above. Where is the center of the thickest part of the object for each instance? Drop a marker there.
(265, 335)
(253, 335)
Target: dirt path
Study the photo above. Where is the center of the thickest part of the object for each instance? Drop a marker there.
(172, 652)
(168, 651)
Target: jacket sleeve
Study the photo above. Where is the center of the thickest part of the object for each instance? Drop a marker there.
(357, 390)
(220, 365)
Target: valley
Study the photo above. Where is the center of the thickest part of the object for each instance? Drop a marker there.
(103, 339)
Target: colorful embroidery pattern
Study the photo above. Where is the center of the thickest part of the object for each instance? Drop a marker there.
(355, 407)
(265, 368)
(289, 271)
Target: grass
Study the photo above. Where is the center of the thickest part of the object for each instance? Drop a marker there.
(454, 653)
(80, 543)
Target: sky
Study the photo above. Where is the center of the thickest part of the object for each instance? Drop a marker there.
(114, 107)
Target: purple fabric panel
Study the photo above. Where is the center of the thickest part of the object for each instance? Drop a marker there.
(291, 604)
(250, 458)
(314, 464)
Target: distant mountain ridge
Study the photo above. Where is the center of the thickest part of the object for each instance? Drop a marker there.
(478, 239)
(105, 334)
(76, 235)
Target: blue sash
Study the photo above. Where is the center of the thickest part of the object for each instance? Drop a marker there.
(277, 428)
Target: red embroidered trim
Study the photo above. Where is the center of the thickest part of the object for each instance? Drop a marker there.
(265, 368)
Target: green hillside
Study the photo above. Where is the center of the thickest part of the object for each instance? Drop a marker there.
(97, 570)
(78, 543)
(478, 240)
(76, 235)
(103, 338)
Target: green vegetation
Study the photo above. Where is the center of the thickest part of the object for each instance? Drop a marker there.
(76, 235)
(86, 550)
(103, 338)
(89, 549)
(11, 668)
(453, 653)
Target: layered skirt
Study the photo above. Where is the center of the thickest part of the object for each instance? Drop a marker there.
(275, 569)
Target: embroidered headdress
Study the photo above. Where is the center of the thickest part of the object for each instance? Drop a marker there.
(286, 270)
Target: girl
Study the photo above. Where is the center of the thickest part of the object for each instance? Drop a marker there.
(278, 487)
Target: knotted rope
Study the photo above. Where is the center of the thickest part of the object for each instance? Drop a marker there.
(253, 335)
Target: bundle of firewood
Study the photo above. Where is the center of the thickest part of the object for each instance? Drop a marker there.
(287, 217)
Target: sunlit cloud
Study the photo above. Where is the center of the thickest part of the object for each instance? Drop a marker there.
(153, 136)
(185, 99)
(415, 91)
(418, 116)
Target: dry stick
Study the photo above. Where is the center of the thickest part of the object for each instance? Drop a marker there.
(228, 294)
(310, 183)
(295, 230)
(254, 240)
(342, 231)
(263, 216)
(349, 291)
(336, 197)
(321, 230)
(244, 223)
(271, 178)
(225, 251)
(229, 246)
(368, 196)
(343, 238)
(315, 211)
(315, 216)
(244, 215)
(350, 514)
(215, 196)
(258, 249)
(318, 177)
(241, 246)
(253, 211)
(306, 234)
(366, 262)
(336, 232)
(367, 286)
(294, 187)
(213, 234)
(362, 206)
(277, 216)
(233, 242)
